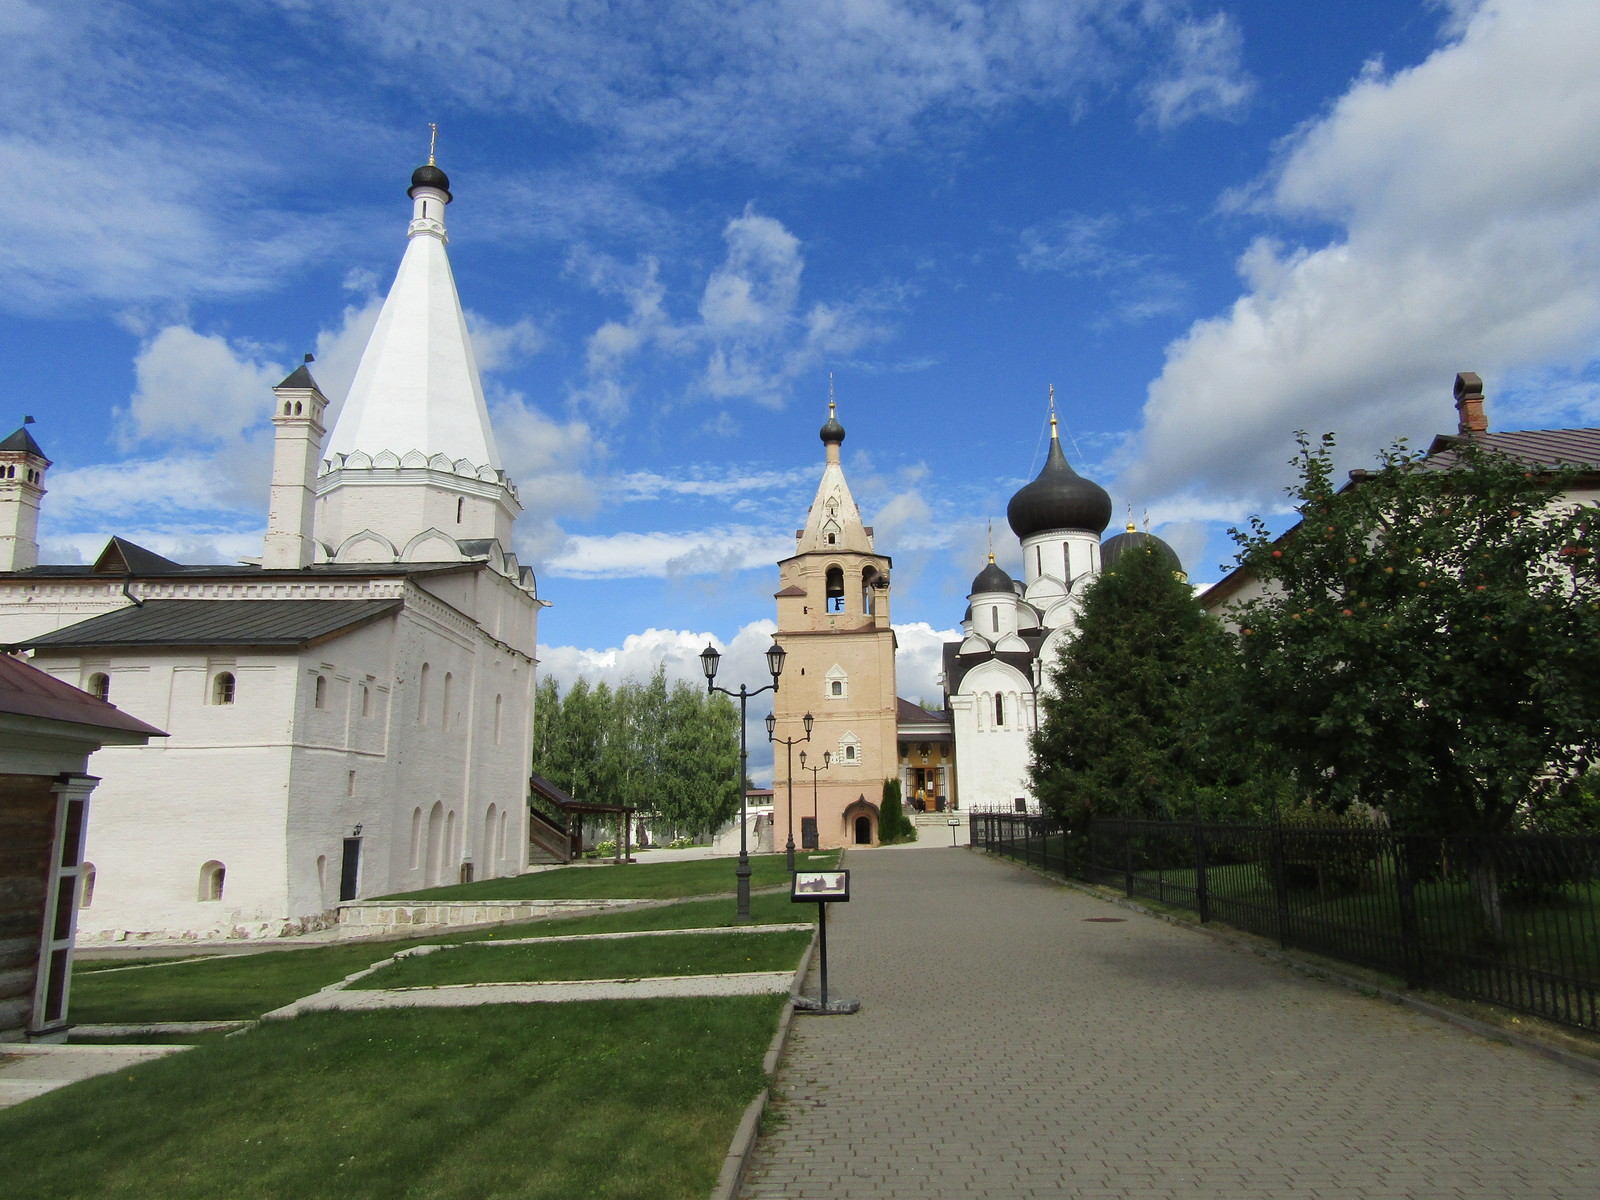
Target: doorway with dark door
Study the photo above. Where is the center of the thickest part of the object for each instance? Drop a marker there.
(350, 869)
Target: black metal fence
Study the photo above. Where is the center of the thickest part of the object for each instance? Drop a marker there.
(1512, 920)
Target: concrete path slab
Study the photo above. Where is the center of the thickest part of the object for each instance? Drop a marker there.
(1014, 1042)
(468, 995)
(32, 1070)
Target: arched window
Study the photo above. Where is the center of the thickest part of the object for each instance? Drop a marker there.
(445, 720)
(222, 688)
(497, 720)
(86, 885)
(461, 505)
(319, 695)
(868, 575)
(322, 877)
(212, 876)
(366, 701)
(500, 844)
(999, 710)
(416, 838)
(99, 686)
(836, 684)
(491, 822)
(835, 589)
(436, 846)
(422, 696)
(849, 754)
(994, 614)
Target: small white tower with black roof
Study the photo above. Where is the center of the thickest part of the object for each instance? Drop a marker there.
(298, 405)
(22, 468)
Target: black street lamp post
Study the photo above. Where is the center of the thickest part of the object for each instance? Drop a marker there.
(709, 658)
(790, 743)
(827, 757)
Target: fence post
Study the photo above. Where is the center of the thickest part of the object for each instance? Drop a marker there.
(1280, 883)
(1202, 898)
(1410, 934)
(1127, 861)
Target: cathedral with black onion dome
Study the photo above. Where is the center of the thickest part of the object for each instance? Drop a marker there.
(1013, 628)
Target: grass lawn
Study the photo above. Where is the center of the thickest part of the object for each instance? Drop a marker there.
(607, 1100)
(229, 987)
(625, 958)
(223, 988)
(637, 881)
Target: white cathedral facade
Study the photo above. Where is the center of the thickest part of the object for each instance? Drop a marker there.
(350, 717)
(1014, 629)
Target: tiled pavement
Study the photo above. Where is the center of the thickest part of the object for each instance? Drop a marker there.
(1012, 1042)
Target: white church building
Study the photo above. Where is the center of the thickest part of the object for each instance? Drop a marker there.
(351, 716)
(1013, 629)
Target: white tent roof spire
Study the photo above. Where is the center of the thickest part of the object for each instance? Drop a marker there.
(417, 387)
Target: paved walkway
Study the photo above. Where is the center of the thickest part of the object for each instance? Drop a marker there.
(1014, 1042)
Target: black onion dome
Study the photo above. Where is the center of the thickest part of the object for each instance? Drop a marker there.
(991, 579)
(430, 176)
(832, 433)
(1059, 498)
(1125, 543)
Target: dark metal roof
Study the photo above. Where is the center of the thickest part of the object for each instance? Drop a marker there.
(907, 714)
(992, 579)
(1113, 549)
(1551, 449)
(247, 570)
(26, 691)
(271, 623)
(300, 377)
(122, 557)
(793, 589)
(23, 440)
(1059, 498)
(430, 176)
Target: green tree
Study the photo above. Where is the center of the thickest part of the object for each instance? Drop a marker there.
(1126, 726)
(1428, 639)
(893, 824)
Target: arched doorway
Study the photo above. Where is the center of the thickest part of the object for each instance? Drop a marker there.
(859, 823)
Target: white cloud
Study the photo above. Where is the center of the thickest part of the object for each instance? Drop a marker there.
(552, 464)
(497, 347)
(198, 387)
(773, 82)
(919, 660)
(1205, 76)
(649, 486)
(1469, 217)
(1083, 246)
(659, 554)
(755, 337)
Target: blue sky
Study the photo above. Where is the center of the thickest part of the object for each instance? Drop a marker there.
(1206, 225)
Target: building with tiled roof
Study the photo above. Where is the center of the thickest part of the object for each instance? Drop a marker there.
(350, 715)
(1575, 450)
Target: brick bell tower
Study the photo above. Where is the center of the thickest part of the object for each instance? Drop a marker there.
(833, 623)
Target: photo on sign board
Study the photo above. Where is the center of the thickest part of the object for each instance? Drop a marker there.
(821, 885)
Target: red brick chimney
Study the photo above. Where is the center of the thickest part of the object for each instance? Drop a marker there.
(1469, 405)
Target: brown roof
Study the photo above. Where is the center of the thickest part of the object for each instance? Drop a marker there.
(1551, 449)
(906, 713)
(26, 691)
